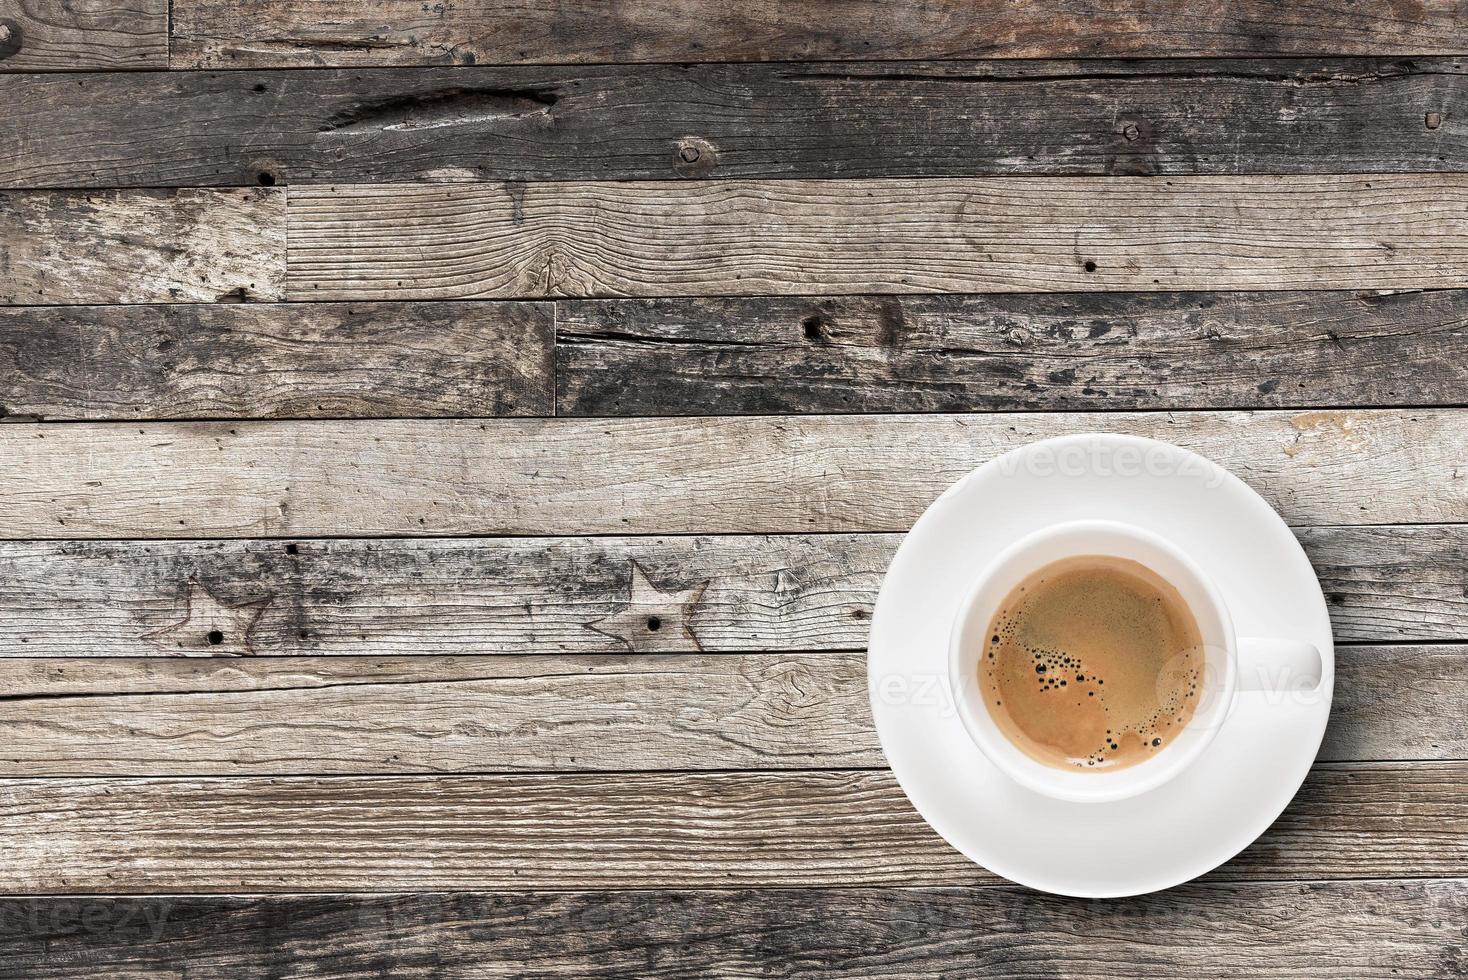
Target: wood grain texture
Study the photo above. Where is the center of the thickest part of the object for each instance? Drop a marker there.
(83, 35)
(466, 714)
(450, 597)
(1380, 585)
(624, 830)
(216, 33)
(277, 361)
(665, 122)
(358, 715)
(996, 352)
(785, 237)
(455, 596)
(1366, 930)
(669, 476)
(142, 246)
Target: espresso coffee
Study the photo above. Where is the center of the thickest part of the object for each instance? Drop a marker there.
(1092, 662)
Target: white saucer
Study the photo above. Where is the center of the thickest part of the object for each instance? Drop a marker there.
(1097, 850)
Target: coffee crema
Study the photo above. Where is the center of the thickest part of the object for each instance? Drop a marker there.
(1093, 662)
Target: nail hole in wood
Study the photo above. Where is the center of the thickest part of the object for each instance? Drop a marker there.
(215, 638)
(1090, 266)
(654, 623)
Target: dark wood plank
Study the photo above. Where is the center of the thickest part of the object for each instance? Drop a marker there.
(772, 355)
(358, 715)
(276, 361)
(803, 237)
(1365, 929)
(450, 597)
(624, 830)
(83, 35)
(669, 476)
(664, 122)
(142, 246)
(217, 33)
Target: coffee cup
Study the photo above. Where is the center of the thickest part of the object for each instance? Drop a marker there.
(1232, 665)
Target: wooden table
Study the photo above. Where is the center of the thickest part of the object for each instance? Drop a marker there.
(456, 448)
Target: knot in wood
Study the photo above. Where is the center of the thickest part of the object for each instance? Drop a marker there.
(694, 157)
(1131, 132)
(9, 38)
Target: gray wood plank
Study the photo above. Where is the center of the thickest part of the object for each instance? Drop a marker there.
(1365, 930)
(142, 246)
(668, 476)
(83, 35)
(314, 360)
(624, 830)
(770, 355)
(664, 122)
(217, 33)
(273, 716)
(359, 715)
(797, 237)
(449, 597)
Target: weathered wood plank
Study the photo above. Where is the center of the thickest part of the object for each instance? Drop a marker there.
(448, 597)
(142, 246)
(1426, 688)
(357, 715)
(1384, 585)
(83, 35)
(663, 122)
(467, 714)
(1356, 929)
(624, 830)
(770, 355)
(216, 33)
(267, 361)
(667, 476)
(445, 597)
(785, 237)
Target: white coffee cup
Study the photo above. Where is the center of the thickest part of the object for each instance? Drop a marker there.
(1232, 664)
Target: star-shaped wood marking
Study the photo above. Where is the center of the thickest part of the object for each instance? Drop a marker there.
(210, 626)
(653, 621)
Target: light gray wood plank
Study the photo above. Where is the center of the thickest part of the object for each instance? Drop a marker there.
(467, 714)
(793, 237)
(448, 597)
(443, 597)
(619, 122)
(623, 830)
(357, 715)
(773, 355)
(720, 475)
(1297, 931)
(269, 33)
(83, 35)
(142, 246)
(1382, 585)
(330, 360)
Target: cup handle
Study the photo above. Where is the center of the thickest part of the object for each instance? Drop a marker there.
(1270, 664)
